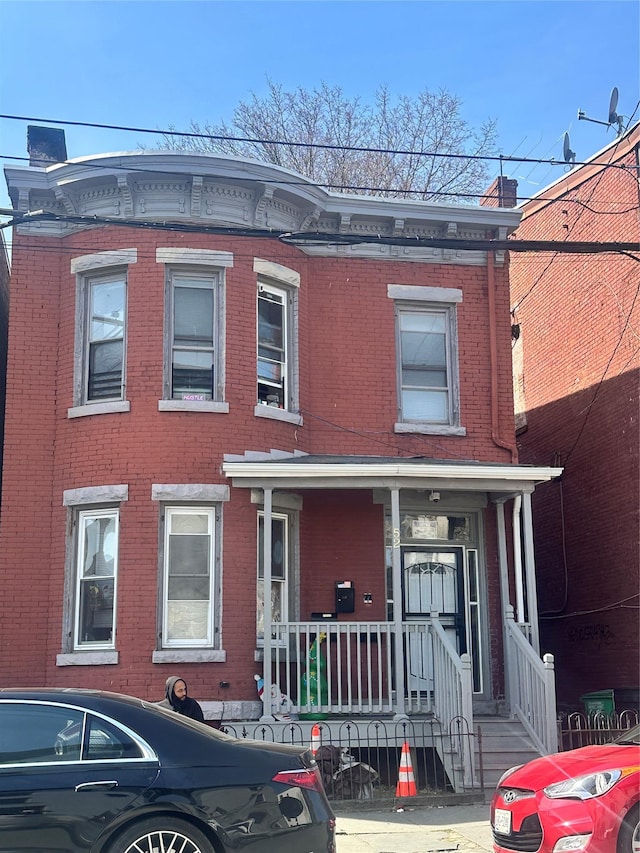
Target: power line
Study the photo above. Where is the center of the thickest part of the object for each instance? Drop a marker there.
(501, 158)
(310, 237)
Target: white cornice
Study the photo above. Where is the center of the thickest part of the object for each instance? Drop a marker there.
(228, 191)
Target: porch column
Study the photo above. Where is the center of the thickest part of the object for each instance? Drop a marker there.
(504, 593)
(266, 564)
(396, 574)
(530, 571)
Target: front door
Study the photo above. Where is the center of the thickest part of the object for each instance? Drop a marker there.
(432, 580)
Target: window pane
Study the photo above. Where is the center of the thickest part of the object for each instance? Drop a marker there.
(30, 733)
(272, 345)
(193, 316)
(105, 370)
(278, 547)
(270, 321)
(192, 373)
(97, 562)
(106, 310)
(108, 743)
(188, 570)
(425, 406)
(424, 378)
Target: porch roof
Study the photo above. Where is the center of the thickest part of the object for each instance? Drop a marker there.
(280, 469)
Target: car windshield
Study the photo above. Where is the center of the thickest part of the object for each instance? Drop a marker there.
(629, 737)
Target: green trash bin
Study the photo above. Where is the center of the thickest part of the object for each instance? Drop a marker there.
(600, 702)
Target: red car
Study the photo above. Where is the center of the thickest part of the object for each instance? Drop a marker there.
(585, 799)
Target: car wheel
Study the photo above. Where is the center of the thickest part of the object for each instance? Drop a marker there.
(629, 838)
(168, 834)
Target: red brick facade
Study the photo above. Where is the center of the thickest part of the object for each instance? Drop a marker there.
(348, 405)
(578, 317)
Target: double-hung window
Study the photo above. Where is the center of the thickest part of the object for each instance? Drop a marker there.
(188, 577)
(427, 359)
(91, 574)
(105, 338)
(277, 341)
(95, 582)
(273, 335)
(101, 332)
(194, 349)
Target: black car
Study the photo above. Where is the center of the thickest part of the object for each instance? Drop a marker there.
(87, 770)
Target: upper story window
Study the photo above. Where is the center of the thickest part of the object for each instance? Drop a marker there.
(194, 329)
(427, 359)
(194, 371)
(273, 332)
(277, 342)
(101, 332)
(104, 378)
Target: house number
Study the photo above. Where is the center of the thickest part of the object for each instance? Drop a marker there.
(396, 537)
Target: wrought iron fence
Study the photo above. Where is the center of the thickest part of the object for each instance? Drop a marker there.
(360, 759)
(576, 729)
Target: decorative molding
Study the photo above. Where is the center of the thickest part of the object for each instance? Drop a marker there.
(112, 258)
(196, 194)
(452, 229)
(65, 199)
(126, 194)
(95, 495)
(345, 223)
(398, 227)
(263, 199)
(194, 257)
(308, 219)
(209, 492)
(419, 293)
(271, 269)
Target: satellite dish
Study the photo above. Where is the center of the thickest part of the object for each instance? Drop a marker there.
(567, 153)
(613, 103)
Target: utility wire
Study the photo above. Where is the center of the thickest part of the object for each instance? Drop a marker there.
(501, 158)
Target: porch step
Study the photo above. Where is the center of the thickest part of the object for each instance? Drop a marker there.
(505, 743)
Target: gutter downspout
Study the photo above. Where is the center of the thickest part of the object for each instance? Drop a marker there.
(493, 352)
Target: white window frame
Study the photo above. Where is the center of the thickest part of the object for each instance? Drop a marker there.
(89, 271)
(282, 282)
(206, 641)
(440, 302)
(202, 265)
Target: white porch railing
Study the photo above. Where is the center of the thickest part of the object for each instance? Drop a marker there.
(531, 687)
(358, 662)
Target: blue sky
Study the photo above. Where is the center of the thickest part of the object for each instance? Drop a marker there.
(529, 65)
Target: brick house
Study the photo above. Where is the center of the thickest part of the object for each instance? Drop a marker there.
(576, 374)
(4, 330)
(229, 402)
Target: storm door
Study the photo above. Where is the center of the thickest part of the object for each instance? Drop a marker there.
(432, 580)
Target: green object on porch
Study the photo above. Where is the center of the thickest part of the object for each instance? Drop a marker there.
(314, 689)
(600, 702)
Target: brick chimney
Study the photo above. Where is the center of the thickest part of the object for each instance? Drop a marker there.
(503, 192)
(45, 145)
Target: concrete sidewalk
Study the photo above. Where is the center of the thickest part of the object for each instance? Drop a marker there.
(420, 829)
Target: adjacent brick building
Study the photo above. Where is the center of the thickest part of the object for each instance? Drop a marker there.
(576, 372)
(223, 378)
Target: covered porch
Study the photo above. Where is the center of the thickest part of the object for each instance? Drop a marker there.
(454, 534)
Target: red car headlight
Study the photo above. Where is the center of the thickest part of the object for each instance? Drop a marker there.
(584, 787)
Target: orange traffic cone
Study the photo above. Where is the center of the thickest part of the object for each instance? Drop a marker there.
(315, 738)
(406, 786)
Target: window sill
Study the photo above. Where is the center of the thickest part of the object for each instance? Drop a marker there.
(87, 658)
(275, 414)
(99, 409)
(430, 429)
(189, 656)
(193, 406)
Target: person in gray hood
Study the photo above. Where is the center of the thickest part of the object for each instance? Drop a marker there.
(176, 698)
